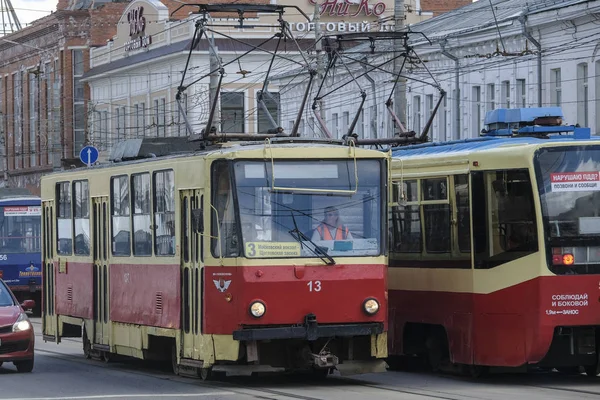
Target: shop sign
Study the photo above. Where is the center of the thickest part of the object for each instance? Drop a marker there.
(137, 30)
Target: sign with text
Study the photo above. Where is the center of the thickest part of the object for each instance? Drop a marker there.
(137, 30)
(575, 181)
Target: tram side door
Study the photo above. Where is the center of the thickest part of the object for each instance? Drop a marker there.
(49, 318)
(192, 273)
(100, 231)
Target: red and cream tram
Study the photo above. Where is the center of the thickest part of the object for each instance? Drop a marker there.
(495, 254)
(212, 260)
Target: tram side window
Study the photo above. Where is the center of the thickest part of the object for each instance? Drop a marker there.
(463, 223)
(81, 221)
(121, 223)
(164, 213)
(509, 231)
(436, 215)
(64, 224)
(142, 236)
(406, 220)
(224, 233)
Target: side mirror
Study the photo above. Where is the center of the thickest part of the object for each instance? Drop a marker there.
(197, 220)
(28, 304)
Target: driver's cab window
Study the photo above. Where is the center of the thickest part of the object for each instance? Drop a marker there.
(224, 230)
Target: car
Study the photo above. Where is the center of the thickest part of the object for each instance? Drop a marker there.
(17, 338)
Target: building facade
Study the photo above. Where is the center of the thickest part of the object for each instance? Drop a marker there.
(42, 100)
(538, 53)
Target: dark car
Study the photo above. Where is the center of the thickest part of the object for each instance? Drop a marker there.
(16, 332)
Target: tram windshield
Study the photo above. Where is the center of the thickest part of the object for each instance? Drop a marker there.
(309, 204)
(569, 185)
(20, 228)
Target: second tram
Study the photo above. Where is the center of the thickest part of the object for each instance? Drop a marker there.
(495, 254)
(239, 258)
(20, 244)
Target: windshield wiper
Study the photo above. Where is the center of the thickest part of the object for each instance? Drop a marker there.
(317, 251)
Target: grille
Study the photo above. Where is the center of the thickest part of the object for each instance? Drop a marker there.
(70, 293)
(159, 303)
(6, 329)
(12, 347)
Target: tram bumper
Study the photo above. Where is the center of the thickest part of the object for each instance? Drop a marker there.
(310, 330)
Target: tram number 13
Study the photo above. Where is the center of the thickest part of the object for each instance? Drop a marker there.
(314, 286)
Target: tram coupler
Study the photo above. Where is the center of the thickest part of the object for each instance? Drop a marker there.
(325, 360)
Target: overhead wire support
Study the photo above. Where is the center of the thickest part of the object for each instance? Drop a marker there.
(202, 29)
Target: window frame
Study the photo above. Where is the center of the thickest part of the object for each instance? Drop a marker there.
(133, 214)
(112, 215)
(59, 213)
(154, 212)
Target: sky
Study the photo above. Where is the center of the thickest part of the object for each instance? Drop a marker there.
(30, 10)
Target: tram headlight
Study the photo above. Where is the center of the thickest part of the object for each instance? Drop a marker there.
(371, 306)
(21, 324)
(257, 309)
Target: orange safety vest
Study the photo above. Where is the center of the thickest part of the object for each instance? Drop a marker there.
(340, 233)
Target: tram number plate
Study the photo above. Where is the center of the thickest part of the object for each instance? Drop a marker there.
(314, 286)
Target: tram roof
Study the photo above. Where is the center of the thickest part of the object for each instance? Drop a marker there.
(226, 150)
(468, 146)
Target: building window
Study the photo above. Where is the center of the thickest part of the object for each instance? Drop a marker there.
(441, 134)
(582, 94)
(521, 93)
(416, 123)
(476, 110)
(78, 102)
(33, 117)
(428, 108)
(360, 127)
(121, 123)
(345, 122)
(160, 111)
(181, 126)
(505, 94)
(555, 87)
(335, 125)
(232, 112)
(271, 101)
(17, 120)
(81, 221)
(121, 225)
(140, 120)
(491, 97)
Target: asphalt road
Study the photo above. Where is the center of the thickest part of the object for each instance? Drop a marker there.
(61, 372)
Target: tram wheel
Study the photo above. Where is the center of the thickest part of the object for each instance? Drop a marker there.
(591, 370)
(206, 374)
(87, 346)
(476, 371)
(174, 360)
(106, 357)
(434, 352)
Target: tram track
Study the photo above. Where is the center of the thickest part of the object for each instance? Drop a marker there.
(254, 390)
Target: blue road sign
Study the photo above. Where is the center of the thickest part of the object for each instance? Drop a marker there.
(88, 155)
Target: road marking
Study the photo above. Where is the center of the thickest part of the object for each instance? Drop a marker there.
(124, 396)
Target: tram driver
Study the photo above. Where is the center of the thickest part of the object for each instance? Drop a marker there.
(331, 227)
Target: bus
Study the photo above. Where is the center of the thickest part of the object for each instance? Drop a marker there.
(495, 247)
(20, 244)
(213, 260)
